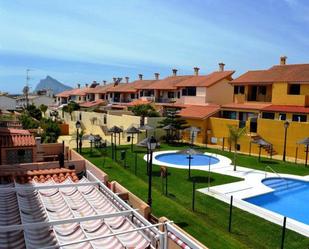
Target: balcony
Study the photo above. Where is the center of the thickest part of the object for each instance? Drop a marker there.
(165, 100)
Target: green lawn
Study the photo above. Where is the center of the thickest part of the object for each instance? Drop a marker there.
(209, 222)
(277, 165)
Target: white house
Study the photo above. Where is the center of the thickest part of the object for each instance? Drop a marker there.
(35, 100)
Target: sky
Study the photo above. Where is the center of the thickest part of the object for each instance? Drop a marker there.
(79, 41)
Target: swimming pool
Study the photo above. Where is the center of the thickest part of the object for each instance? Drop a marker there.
(290, 198)
(182, 160)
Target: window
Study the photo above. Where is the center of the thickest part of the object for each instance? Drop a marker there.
(282, 116)
(105, 119)
(294, 89)
(170, 95)
(132, 95)
(239, 89)
(262, 90)
(141, 93)
(189, 91)
(299, 118)
(229, 114)
(268, 115)
(178, 94)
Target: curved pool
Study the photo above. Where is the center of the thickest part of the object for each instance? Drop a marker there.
(290, 198)
(182, 160)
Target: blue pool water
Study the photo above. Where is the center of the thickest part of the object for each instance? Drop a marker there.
(181, 159)
(290, 198)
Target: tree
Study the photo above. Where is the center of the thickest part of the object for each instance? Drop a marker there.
(144, 110)
(28, 122)
(43, 108)
(34, 112)
(174, 120)
(51, 130)
(235, 133)
(71, 107)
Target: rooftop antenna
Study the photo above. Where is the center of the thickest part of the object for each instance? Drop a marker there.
(27, 88)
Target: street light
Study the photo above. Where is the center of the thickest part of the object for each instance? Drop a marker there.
(151, 145)
(78, 126)
(91, 140)
(286, 126)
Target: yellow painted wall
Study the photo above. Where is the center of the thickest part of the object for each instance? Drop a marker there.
(199, 123)
(219, 130)
(281, 96)
(273, 131)
(92, 122)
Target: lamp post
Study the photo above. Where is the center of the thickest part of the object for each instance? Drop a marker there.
(91, 140)
(189, 152)
(151, 145)
(78, 126)
(286, 126)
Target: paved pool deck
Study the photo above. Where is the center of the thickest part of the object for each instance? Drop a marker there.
(250, 186)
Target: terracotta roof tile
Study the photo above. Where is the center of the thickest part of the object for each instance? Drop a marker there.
(64, 94)
(282, 73)
(168, 83)
(205, 80)
(287, 108)
(245, 106)
(92, 103)
(138, 102)
(15, 138)
(131, 87)
(199, 112)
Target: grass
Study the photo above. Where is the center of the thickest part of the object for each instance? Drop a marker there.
(277, 165)
(209, 222)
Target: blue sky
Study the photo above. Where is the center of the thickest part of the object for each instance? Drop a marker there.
(78, 41)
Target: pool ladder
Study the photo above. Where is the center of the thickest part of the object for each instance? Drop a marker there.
(268, 167)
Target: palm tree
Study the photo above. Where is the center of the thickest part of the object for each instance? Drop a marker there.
(144, 110)
(235, 133)
(43, 108)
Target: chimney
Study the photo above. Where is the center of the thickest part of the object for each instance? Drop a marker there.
(86, 84)
(119, 80)
(174, 72)
(196, 71)
(221, 66)
(140, 76)
(114, 79)
(94, 82)
(78, 85)
(156, 76)
(127, 79)
(283, 60)
(104, 82)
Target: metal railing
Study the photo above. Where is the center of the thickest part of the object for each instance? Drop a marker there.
(275, 172)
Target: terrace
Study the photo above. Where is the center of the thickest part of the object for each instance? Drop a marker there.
(73, 207)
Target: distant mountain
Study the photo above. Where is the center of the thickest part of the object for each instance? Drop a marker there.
(51, 83)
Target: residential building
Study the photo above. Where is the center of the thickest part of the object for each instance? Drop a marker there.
(185, 89)
(36, 100)
(20, 146)
(262, 101)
